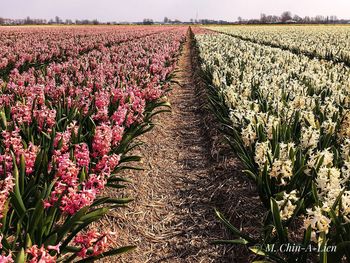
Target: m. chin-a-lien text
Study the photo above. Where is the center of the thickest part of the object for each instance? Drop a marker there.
(296, 248)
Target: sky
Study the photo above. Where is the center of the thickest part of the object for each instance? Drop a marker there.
(184, 10)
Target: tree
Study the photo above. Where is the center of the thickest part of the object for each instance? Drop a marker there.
(276, 19)
(166, 20)
(28, 21)
(148, 21)
(2, 21)
(286, 15)
(333, 19)
(307, 19)
(263, 18)
(297, 18)
(240, 19)
(320, 19)
(57, 19)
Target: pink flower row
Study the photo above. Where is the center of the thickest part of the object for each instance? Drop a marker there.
(81, 109)
(20, 46)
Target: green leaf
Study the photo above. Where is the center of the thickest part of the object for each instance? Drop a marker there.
(28, 243)
(36, 217)
(232, 228)
(82, 175)
(277, 221)
(116, 186)
(71, 222)
(323, 253)
(20, 258)
(240, 241)
(257, 250)
(3, 120)
(250, 174)
(119, 201)
(96, 213)
(130, 159)
(22, 173)
(17, 193)
(52, 240)
(112, 252)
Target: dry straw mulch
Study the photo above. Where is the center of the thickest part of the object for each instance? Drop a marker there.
(187, 173)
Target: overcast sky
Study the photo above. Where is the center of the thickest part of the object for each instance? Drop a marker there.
(136, 10)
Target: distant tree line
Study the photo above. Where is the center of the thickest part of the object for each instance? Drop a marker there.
(288, 18)
(285, 18)
(172, 21)
(148, 21)
(195, 21)
(57, 20)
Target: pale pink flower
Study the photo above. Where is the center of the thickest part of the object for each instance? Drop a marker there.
(6, 259)
(30, 155)
(6, 186)
(95, 182)
(56, 248)
(107, 163)
(40, 255)
(92, 239)
(22, 113)
(119, 116)
(82, 155)
(117, 134)
(75, 200)
(45, 118)
(67, 171)
(101, 144)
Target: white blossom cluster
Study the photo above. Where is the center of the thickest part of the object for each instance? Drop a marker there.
(321, 41)
(266, 89)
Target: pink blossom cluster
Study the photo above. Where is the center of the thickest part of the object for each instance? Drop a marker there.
(82, 155)
(70, 194)
(3, 257)
(6, 259)
(6, 186)
(12, 142)
(75, 113)
(94, 241)
(32, 45)
(38, 255)
(129, 75)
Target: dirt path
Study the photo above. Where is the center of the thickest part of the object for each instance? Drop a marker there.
(172, 218)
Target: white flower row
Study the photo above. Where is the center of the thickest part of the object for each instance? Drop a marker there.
(325, 41)
(266, 88)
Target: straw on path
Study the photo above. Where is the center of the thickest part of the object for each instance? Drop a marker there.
(172, 218)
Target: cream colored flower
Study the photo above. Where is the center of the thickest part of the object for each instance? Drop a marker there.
(318, 222)
(287, 205)
(309, 138)
(329, 126)
(282, 170)
(344, 132)
(315, 160)
(345, 149)
(248, 135)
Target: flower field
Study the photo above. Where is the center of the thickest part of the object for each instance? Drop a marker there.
(76, 103)
(72, 102)
(286, 115)
(23, 48)
(323, 41)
